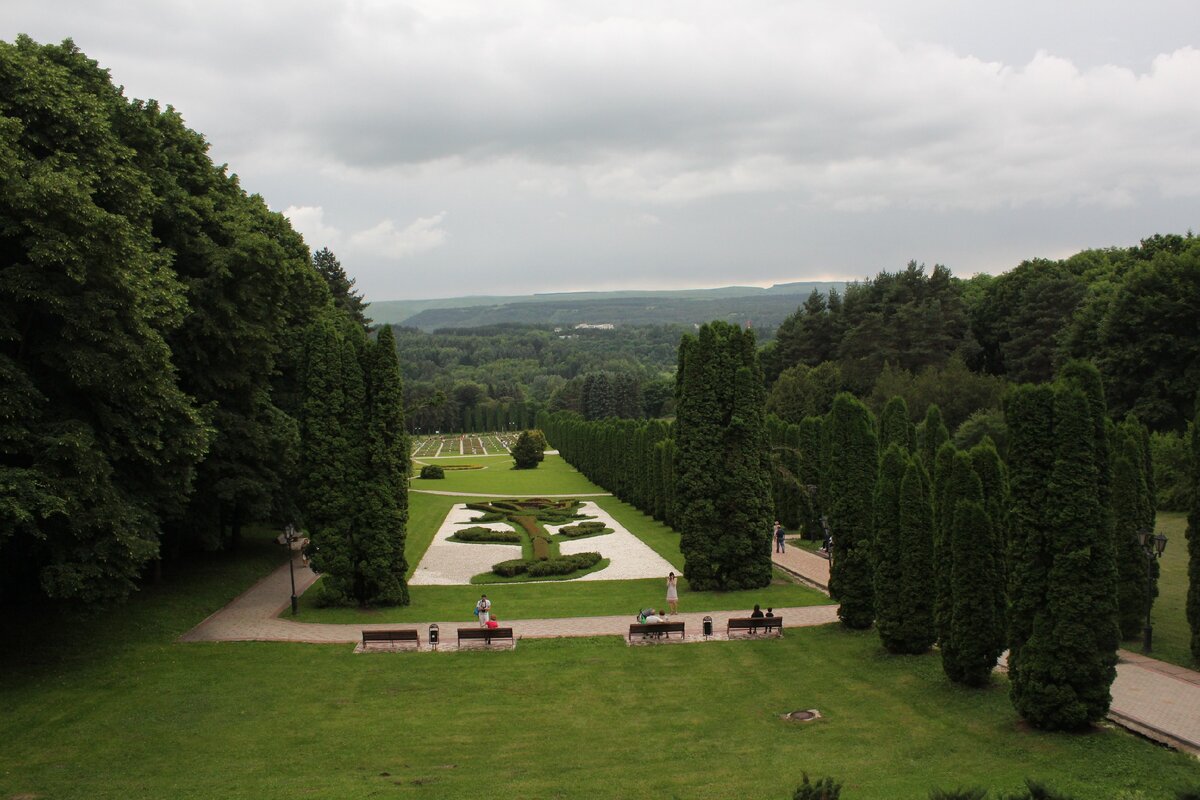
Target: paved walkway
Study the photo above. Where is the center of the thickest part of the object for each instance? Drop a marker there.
(804, 564)
(252, 616)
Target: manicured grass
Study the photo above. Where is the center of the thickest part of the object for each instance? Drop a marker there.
(134, 714)
(1171, 632)
(552, 476)
(515, 601)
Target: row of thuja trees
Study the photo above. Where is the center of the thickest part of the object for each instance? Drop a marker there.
(1036, 553)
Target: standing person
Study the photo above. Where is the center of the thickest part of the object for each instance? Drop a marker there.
(778, 537)
(672, 593)
(484, 607)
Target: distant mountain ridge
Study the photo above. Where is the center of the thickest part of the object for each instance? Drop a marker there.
(761, 307)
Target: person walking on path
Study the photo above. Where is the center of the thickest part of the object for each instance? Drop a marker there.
(778, 537)
(484, 609)
(672, 593)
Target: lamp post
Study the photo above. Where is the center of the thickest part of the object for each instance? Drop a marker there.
(289, 535)
(1152, 547)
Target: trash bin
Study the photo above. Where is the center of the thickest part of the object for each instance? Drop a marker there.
(433, 635)
(708, 627)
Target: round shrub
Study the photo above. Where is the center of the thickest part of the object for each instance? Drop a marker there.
(432, 471)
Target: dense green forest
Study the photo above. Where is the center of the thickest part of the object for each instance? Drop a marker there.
(160, 331)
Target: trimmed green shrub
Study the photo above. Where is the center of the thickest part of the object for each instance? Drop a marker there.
(563, 565)
(541, 548)
(432, 471)
(489, 516)
(478, 534)
(584, 529)
(509, 569)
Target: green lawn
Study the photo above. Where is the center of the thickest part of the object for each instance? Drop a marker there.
(552, 476)
(113, 707)
(1171, 632)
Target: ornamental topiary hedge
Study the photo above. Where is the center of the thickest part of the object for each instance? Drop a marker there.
(479, 534)
(432, 471)
(584, 529)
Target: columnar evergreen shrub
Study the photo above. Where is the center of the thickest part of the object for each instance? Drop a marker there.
(958, 484)
(972, 644)
(931, 435)
(993, 476)
(915, 632)
(853, 468)
(822, 789)
(722, 502)
(1068, 661)
(1193, 540)
(1130, 495)
(888, 550)
(895, 427)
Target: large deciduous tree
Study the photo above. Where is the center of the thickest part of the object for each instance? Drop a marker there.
(853, 467)
(723, 506)
(97, 441)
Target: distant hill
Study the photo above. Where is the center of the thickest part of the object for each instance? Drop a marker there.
(764, 308)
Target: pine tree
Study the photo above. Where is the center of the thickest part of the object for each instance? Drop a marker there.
(853, 468)
(526, 452)
(915, 632)
(888, 550)
(1193, 540)
(722, 504)
(341, 286)
(972, 644)
(894, 425)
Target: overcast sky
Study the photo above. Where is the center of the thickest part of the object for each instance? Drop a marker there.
(448, 148)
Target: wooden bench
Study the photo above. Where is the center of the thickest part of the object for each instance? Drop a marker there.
(752, 624)
(656, 629)
(399, 635)
(486, 634)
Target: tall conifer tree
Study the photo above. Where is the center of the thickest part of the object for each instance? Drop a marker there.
(915, 632)
(971, 645)
(1069, 660)
(932, 434)
(894, 425)
(723, 506)
(853, 468)
(1129, 498)
(888, 551)
(993, 477)
(961, 483)
(1193, 542)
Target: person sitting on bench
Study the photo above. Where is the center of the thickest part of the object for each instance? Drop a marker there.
(493, 622)
(652, 619)
(755, 614)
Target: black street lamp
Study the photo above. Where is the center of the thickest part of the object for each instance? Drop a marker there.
(1152, 547)
(289, 535)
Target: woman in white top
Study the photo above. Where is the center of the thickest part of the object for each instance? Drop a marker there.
(672, 593)
(484, 607)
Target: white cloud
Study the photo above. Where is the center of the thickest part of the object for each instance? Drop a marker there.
(385, 241)
(309, 221)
